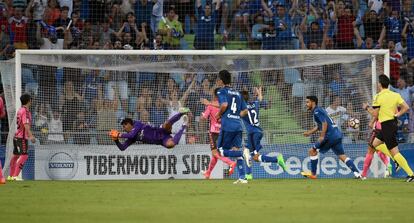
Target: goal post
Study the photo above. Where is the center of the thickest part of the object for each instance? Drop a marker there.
(80, 94)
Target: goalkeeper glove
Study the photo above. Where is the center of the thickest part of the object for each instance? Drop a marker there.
(114, 134)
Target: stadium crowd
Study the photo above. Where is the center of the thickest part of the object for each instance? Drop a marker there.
(99, 99)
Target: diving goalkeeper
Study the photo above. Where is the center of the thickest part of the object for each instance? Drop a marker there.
(139, 131)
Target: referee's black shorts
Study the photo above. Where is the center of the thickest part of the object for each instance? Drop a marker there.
(388, 133)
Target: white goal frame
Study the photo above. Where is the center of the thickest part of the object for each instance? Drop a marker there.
(384, 52)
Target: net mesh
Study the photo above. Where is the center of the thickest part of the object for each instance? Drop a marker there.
(78, 98)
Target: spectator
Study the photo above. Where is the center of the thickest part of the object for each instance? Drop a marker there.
(391, 30)
(171, 29)
(269, 35)
(50, 40)
(7, 53)
(396, 60)
(313, 34)
(206, 24)
(4, 32)
(117, 85)
(92, 88)
(337, 86)
(407, 10)
(62, 23)
(40, 128)
(157, 14)
(158, 113)
(158, 43)
(144, 104)
(143, 10)
(186, 8)
(52, 12)
(408, 34)
(283, 25)
(68, 4)
(240, 27)
(106, 119)
(55, 127)
(257, 34)
(30, 84)
(38, 7)
(337, 112)
(368, 43)
(126, 6)
(312, 75)
(18, 28)
(106, 32)
(375, 5)
(345, 33)
(115, 17)
(372, 22)
(404, 90)
(81, 129)
(71, 102)
(97, 11)
(130, 34)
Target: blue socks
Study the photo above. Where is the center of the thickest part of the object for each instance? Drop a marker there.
(267, 159)
(240, 168)
(350, 163)
(314, 164)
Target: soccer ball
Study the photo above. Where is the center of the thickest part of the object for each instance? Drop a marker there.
(353, 123)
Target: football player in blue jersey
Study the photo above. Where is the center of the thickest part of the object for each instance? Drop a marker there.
(255, 132)
(232, 108)
(330, 138)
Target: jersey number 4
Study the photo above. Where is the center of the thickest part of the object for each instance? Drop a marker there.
(233, 106)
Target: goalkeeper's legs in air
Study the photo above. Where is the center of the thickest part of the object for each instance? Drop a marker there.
(171, 142)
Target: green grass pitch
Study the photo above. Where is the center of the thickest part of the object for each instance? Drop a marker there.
(293, 200)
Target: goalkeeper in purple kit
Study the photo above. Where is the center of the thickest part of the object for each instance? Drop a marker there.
(139, 131)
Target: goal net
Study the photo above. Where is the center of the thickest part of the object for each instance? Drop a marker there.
(79, 96)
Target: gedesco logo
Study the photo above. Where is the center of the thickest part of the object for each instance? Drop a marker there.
(61, 166)
(327, 166)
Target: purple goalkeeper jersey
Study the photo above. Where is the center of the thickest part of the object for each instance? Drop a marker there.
(145, 133)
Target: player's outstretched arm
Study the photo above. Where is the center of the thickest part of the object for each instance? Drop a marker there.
(259, 94)
(123, 146)
(310, 132)
(130, 135)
